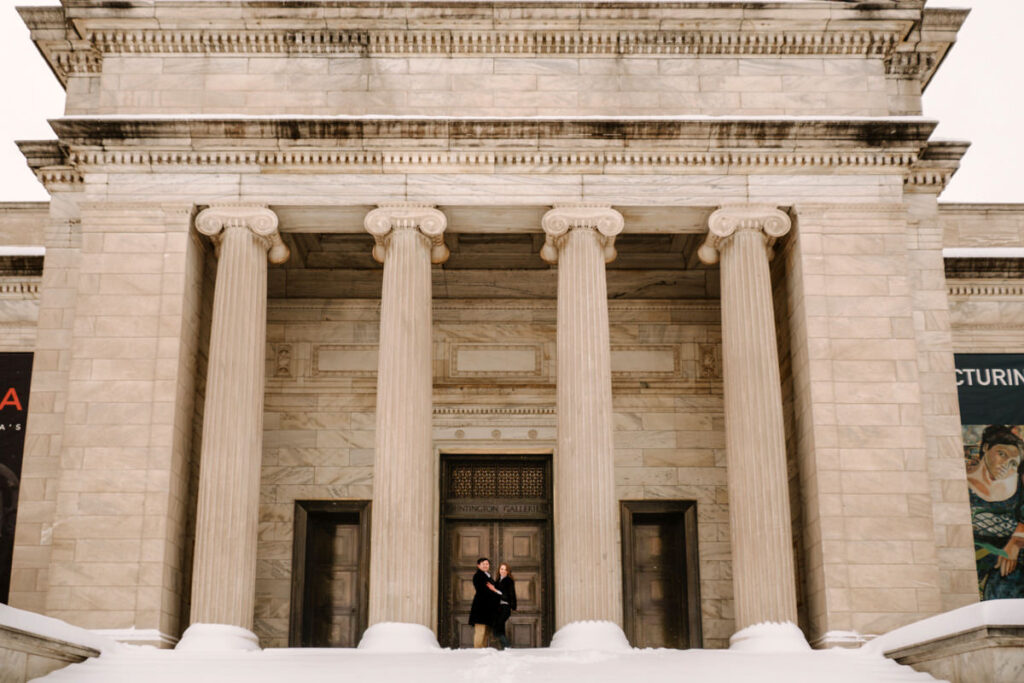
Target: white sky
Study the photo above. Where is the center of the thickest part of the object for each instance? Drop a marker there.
(978, 95)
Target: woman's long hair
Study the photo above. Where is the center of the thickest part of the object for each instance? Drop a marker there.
(507, 569)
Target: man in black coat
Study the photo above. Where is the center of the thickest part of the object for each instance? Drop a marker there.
(484, 611)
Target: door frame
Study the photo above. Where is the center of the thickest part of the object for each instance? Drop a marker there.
(490, 513)
(357, 510)
(687, 509)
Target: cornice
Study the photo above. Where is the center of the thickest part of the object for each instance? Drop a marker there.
(935, 166)
(696, 133)
(369, 145)
(64, 49)
(49, 161)
(341, 160)
(75, 37)
(937, 35)
(971, 272)
(445, 41)
(920, 53)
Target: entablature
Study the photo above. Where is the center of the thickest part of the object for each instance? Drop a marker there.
(448, 145)
(910, 39)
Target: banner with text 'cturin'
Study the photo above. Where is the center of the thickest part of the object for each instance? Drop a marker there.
(991, 392)
(991, 388)
(15, 378)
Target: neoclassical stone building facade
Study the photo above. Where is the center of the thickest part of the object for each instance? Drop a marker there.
(647, 299)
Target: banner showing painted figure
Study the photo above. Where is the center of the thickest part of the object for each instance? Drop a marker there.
(991, 391)
(15, 378)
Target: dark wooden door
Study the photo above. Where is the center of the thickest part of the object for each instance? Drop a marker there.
(333, 582)
(522, 544)
(330, 573)
(658, 599)
(660, 584)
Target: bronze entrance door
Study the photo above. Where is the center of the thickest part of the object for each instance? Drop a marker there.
(660, 584)
(496, 507)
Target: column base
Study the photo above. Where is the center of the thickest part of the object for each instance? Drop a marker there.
(769, 636)
(217, 638)
(590, 635)
(391, 636)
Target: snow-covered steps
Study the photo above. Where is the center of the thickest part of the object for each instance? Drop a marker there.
(147, 665)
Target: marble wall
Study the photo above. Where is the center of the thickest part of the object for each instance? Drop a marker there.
(869, 523)
(494, 393)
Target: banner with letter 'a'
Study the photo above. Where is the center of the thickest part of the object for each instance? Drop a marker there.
(15, 378)
(991, 392)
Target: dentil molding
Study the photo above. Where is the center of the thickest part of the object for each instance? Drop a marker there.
(360, 161)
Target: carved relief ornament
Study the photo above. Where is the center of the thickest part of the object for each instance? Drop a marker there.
(602, 219)
(429, 221)
(261, 221)
(728, 220)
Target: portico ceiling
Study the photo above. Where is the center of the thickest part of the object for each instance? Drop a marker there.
(482, 264)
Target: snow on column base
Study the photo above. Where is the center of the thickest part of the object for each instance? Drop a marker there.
(590, 635)
(769, 636)
(390, 636)
(217, 638)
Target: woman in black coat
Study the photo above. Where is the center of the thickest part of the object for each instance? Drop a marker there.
(507, 586)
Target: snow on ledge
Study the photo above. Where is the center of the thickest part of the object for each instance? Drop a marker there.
(396, 637)
(55, 629)
(136, 636)
(968, 618)
(18, 250)
(769, 637)
(590, 635)
(983, 252)
(840, 638)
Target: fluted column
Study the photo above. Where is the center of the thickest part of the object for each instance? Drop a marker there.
(588, 566)
(764, 581)
(224, 567)
(408, 239)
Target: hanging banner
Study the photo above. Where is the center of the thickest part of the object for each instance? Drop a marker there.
(15, 378)
(991, 391)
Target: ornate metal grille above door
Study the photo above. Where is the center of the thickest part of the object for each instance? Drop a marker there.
(486, 480)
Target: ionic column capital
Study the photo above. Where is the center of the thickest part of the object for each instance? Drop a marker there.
(261, 221)
(728, 220)
(602, 219)
(429, 221)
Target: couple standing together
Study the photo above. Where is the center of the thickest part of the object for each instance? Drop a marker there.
(492, 604)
